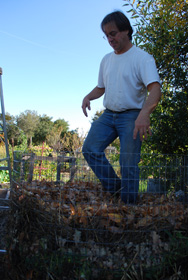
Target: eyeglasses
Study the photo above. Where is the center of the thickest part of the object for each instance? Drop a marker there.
(111, 35)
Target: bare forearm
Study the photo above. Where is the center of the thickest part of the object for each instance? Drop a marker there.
(152, 100)
(142, 123)
(94, 94)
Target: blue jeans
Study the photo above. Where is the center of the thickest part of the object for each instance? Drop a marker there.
(103, 132)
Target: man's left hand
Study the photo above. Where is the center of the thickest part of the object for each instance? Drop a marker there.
(142, 126)
(142, 123)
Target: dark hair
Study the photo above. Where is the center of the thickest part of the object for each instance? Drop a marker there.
(121, 21)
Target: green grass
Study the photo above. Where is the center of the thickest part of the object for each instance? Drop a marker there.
(143, 185)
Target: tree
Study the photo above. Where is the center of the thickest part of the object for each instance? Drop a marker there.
(161, 30)
(61, 125)
(43, 129)
(72, 142)
(13, 132)
(56, 133)
(53, 139)
(28, 122)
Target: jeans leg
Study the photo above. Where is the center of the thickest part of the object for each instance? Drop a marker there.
(129, 156)
(101, 134)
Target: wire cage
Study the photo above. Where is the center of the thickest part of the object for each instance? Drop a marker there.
(66, 216)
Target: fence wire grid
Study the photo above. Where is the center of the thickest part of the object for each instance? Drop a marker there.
(157, 173)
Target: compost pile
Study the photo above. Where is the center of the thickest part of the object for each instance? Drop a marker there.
(80, 223)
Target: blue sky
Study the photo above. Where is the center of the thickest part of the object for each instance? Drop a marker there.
(50, 53)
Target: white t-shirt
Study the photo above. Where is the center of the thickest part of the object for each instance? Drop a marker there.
(125, 78)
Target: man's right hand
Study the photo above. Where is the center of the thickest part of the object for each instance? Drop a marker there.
(94, 94)
(85, 105)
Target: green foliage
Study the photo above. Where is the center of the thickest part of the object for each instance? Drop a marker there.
(53, 139)
(21, 142)
(13, 132)
(61, 125)
(38, 129)
(71, 142)
(41, 150)
(2, 151)
(28, 121)
(42, 130)
(161, 30)
(42, 169)
(4, 176)
(169, 125)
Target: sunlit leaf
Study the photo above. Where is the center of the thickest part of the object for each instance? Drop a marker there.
(73, 212)
(117, 218)
(144, 222)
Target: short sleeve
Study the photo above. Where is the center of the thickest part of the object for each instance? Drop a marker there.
(148, 70)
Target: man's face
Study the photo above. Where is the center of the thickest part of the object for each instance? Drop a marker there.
(118, 40)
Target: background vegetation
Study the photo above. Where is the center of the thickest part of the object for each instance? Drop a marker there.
(30, 129)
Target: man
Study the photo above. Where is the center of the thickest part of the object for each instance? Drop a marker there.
(125, 76)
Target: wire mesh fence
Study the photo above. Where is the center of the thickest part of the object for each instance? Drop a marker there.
(158, 173)
(65, 213)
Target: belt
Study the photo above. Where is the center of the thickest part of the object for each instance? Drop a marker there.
(119, 112)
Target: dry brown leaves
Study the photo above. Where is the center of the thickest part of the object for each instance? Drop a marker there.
(84, 203)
